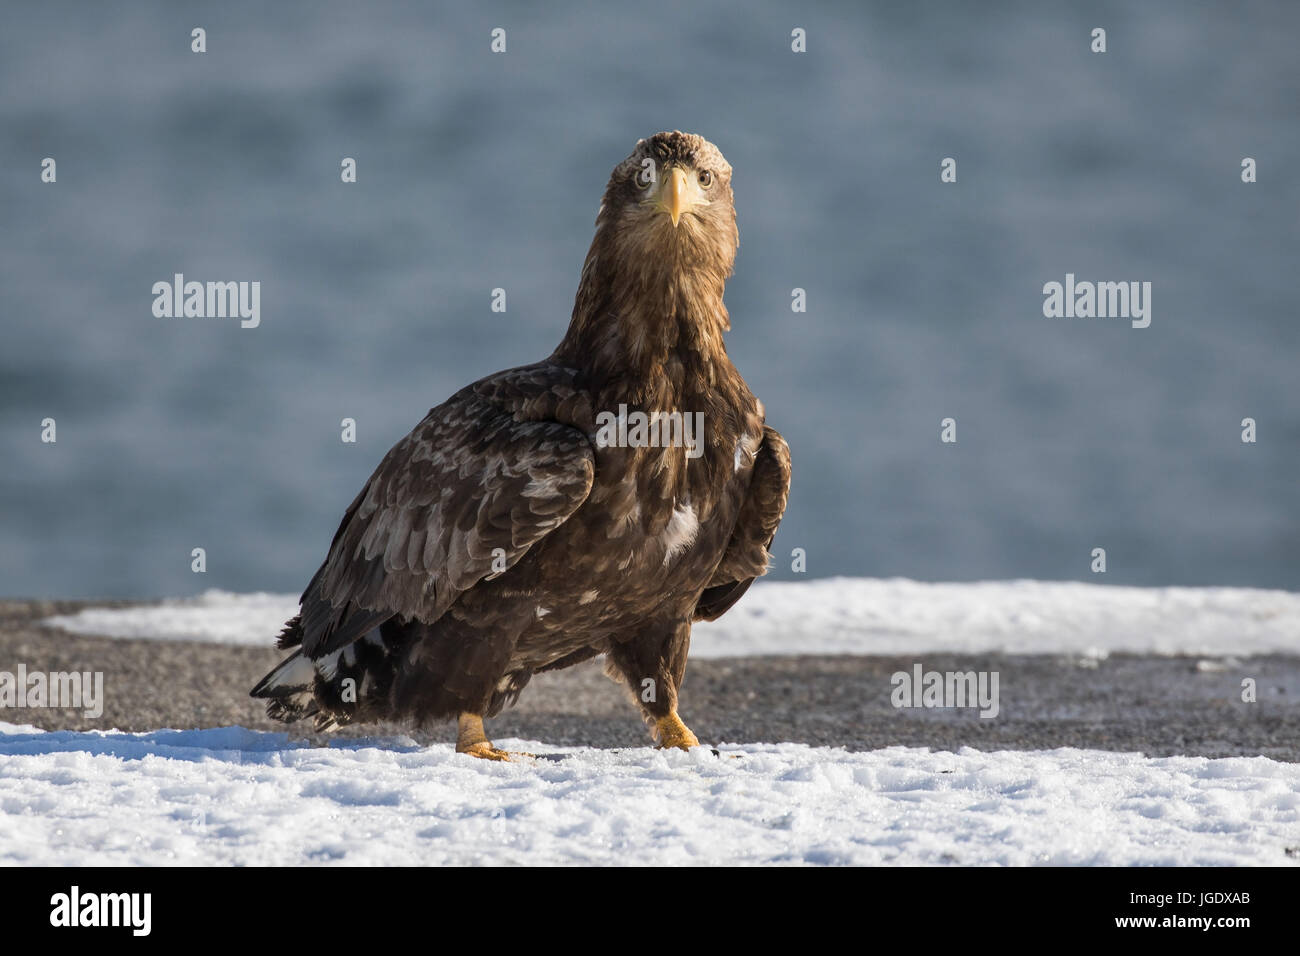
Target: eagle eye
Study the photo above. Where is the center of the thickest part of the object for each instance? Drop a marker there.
(706, 178)
(646, 174)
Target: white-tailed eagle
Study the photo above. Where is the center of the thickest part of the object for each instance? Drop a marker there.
(596, 502)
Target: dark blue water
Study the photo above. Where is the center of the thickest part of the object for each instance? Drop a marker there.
(479, 171)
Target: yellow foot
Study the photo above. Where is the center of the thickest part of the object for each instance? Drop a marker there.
(485, 750)
(671, 732)
(470, 739)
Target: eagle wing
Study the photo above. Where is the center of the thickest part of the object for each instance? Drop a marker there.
(484, 477)
(747, 556)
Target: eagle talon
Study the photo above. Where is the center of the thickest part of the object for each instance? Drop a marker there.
(471, 740)
(671, 734)
(485, 751)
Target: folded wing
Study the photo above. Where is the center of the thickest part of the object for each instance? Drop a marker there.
(481, 479)
(747, 556)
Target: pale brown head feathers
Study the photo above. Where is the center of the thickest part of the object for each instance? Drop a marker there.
(665, 244)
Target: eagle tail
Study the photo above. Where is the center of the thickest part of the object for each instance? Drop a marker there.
(335, 688)
(289, 689)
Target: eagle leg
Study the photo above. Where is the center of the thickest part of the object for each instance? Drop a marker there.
(651, 663)
(470, 739)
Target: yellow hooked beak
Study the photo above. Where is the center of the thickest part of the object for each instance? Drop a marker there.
(677, 192)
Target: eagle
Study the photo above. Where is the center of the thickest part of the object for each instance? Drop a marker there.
(598, 502)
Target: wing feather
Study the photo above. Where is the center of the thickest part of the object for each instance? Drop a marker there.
(487, 474)
(747, 556)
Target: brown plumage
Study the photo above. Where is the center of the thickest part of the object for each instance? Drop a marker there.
(515, 530)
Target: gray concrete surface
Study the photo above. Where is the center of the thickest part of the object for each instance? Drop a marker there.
(1156, 705)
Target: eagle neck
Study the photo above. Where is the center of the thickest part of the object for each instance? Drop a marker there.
(651, 338)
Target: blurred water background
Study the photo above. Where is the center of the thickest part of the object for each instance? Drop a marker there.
(478, 171)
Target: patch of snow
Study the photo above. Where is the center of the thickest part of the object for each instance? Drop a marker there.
(858, 616)
(215, 617)
(233, 796)
(902, 617)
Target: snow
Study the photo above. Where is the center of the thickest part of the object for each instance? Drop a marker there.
(215, 617)
(902, 617)
(234, 796)
(857, 616)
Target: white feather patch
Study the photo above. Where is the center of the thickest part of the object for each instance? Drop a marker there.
(680, 534)
(297, 671)
(328, 666)
(746, 448)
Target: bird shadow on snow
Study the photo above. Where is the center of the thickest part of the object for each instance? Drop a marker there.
(229, 744)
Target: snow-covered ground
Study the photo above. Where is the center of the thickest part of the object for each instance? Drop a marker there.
(859, 616)
(230, 796)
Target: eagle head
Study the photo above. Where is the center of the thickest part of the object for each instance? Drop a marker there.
(655, 274)
(670, 203)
